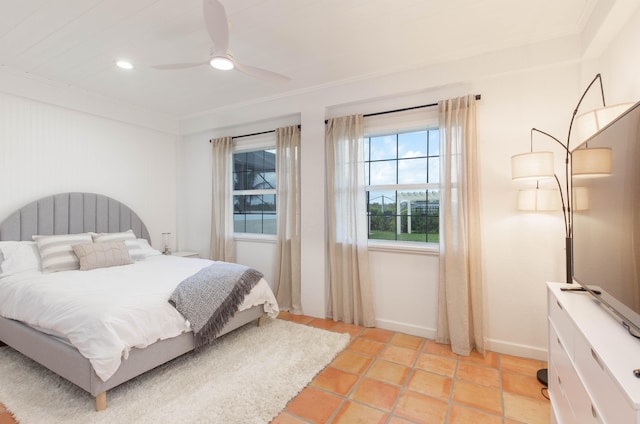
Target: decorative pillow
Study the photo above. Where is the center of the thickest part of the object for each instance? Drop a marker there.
(56, 252)
(18, 256)
(102, 255)
(129, 239)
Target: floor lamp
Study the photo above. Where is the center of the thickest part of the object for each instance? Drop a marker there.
(581, 161)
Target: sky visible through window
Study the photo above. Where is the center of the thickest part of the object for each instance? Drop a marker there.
(410, 161)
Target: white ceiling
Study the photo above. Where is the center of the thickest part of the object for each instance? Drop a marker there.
(315, 42)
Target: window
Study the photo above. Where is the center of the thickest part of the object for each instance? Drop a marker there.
(254, 191)
(402, 172)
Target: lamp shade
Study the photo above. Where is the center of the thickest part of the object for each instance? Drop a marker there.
(587, 124)
(580, 199)
(536, 165)
(538, 199)
(590, 162)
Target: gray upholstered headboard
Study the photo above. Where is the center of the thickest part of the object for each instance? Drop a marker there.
(70, 213)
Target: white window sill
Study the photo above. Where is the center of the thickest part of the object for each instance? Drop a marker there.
(432, 249)
(255, 238)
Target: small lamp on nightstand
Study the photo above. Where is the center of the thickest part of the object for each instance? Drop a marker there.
(165, 241)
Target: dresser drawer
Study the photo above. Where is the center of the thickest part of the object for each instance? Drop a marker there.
(612, 402)
(562, 324)
(564, 379)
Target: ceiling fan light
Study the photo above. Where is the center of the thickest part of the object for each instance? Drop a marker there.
(123, 64)
(222, 63)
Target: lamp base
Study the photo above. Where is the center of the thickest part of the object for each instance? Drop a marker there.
(543, 376)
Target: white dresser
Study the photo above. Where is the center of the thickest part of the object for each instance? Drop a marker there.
(591, 362)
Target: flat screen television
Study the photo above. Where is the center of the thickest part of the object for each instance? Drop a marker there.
(606, 234)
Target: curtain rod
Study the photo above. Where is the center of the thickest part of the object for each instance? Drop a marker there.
(478, 97)
(252, 134)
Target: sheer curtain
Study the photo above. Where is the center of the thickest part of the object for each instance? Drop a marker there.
(222, 246)
(288, 218)
(460, 300)
(351, 300)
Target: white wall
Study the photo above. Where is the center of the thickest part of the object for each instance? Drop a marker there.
(519, 90)
(47, 149)
(537, 86)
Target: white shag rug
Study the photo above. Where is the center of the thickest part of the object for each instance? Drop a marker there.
(247, 376)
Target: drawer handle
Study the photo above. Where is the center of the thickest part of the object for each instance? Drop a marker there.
(559, 381)
(559, 342)
(559, 305)
(595, 358)
(594, 413)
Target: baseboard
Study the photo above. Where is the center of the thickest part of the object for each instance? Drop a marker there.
(515, 349)
(414, 330)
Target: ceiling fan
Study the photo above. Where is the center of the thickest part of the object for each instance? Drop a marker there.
(215, 20)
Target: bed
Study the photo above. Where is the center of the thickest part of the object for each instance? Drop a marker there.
(76, 213)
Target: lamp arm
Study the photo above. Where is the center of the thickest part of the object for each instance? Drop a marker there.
(566, 148)
(565, 211)
(598, 78)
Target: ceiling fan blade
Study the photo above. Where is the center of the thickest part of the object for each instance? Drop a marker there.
(172, 66)
(215, 19)
(261, 73)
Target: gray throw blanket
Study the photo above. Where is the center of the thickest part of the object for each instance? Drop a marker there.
(211, 297)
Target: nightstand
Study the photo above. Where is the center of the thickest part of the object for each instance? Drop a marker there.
(186, 254)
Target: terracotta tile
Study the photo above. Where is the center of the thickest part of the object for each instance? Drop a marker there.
(490, 359)
(314, 405)
(437, 364)
(399, 355)
(420, 408)
(434, 348)
(366, 346)
(351, 329)
(376, 393)
(396, 420)
(377, 334)
(405, 340)
(352, 362)
(7, 418)
(283, 314)
(478, 374)
(2, 408)
(325, 324)
(354, 413)
(285, 418)
(525, 385)
(335, 380)
(299, 319)
(528, 410)
(520, 365)
(388, 372)
(524, 409)
(480, 397)
(461, 415)
(430, 384)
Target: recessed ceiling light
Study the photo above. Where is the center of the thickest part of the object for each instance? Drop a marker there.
(124, 64)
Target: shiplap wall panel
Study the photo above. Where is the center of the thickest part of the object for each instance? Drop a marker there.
(46, 149)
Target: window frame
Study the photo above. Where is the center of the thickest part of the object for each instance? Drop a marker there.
(393, 124)
(255, 143)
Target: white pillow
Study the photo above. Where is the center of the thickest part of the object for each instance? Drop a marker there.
(56, 252)
(129, 239)
(146, 249)
(18, 256)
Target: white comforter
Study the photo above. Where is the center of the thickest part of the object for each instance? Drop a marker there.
(105, 312)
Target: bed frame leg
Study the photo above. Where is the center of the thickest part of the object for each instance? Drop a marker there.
(261, 320)
(101, 401)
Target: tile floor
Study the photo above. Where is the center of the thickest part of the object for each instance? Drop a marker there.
(394, 378)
